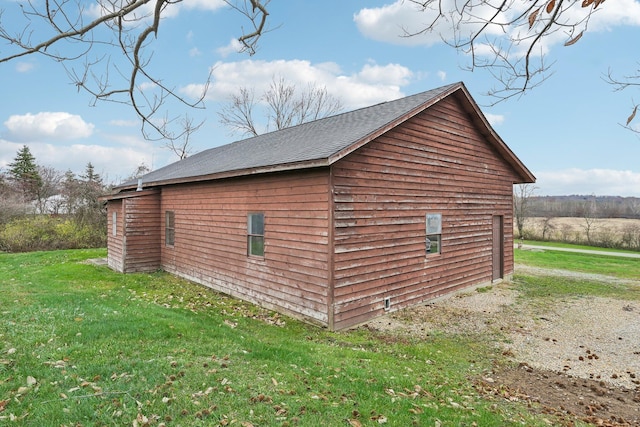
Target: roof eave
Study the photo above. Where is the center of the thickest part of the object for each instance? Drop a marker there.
(308, 164)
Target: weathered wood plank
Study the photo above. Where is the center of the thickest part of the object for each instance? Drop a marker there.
(437, 162)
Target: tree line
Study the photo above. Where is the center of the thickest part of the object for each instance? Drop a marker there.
(42, 208)
(575, 206)
(542, 218)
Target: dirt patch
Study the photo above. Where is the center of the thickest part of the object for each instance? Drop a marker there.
(578, 358)
(564, 396)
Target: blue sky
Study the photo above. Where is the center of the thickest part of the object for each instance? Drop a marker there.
(566, 131)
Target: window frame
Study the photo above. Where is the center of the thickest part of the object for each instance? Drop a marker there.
(169, 228)
(114, 223)
(433, 234)
(255, 237)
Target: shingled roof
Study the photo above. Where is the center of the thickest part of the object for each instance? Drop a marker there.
(318, 143)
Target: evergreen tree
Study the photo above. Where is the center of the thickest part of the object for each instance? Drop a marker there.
(24, 173)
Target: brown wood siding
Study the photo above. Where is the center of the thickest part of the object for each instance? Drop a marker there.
(211, 239)
(142, 233)
(437, 162)
(115, 244)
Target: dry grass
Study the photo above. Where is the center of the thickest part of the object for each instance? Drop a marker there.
(607, 232)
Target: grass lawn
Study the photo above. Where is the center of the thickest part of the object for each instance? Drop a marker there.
(573, 246)
(621, 267)
(81, 345)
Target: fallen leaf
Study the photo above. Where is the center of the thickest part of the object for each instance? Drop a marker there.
(31, 381)
(355, 423)
(11, 350)
(274, 381)
(3, 404)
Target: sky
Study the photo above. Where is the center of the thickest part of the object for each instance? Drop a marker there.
(567, 131)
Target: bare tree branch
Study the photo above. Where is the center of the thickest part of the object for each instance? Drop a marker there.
(238, 114)
(620, 84)
(180, 146)
(91, 52)
(509, 38)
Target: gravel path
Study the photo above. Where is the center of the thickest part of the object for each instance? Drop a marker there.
(585, 337)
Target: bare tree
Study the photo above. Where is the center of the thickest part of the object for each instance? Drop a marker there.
(12, 202)
(180, 145)
(522, 194)
(110, 55)
(547, 227)
(284, 106)
(510, 38)
(633, 206)
(49, 187)
(590, 216)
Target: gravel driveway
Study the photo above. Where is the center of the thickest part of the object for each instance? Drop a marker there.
(590, 339)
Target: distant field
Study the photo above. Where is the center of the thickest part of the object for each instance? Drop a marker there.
(608, 232)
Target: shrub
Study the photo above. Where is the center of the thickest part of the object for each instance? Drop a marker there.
(43, 232)
(631, 237)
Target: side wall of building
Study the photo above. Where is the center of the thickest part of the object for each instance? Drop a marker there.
(142, 232)
(435, 163)
(210, 241)
(115, 235)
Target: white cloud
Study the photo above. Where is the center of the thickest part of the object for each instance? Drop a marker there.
(600, 182)
(56, 125)
(124, 123)
(234, 46)
(114, 163)
(388, 74)
(146, 11)
(24, 67)
(442, 75)
(494, 119)
(370, 85)
(391, 23)
(204, 4)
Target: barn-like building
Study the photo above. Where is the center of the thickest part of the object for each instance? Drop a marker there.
(335, 221)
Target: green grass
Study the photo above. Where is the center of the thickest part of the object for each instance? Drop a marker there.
(82, 345)
(551, 287)
(573, 246)
(621, 267)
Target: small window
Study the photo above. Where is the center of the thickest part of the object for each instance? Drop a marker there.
(114, 224)
(434, 234)
(255, 234)
(169, 228)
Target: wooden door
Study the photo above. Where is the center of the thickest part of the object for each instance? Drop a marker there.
(498, 247)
